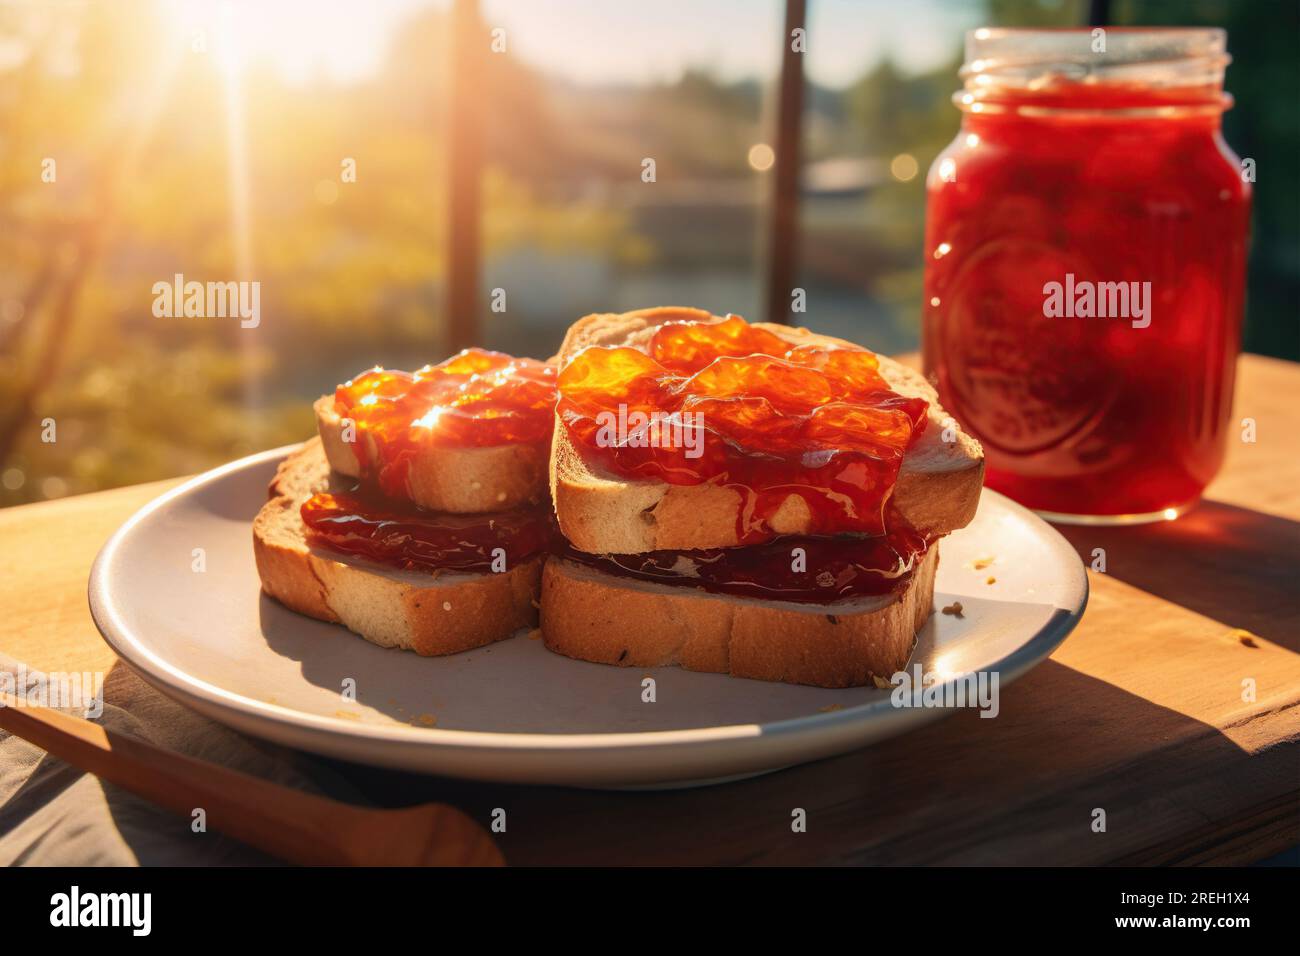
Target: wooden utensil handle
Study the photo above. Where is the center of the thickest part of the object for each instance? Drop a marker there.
(287, 823)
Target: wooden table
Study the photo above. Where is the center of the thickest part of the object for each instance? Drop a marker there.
(1140, 712)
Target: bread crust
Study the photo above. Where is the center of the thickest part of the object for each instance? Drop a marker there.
(429, 614)
(593, 616)
(456, 480)
(599, 512)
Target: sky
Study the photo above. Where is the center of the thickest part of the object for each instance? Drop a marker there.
(604, 41)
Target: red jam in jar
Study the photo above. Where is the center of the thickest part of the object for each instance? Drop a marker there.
(767, 418)
(412, 539)
(1085, 257)
(475, 399)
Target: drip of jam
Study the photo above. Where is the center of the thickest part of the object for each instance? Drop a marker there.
(769, 419)
(812, 570)
(474, 399)
(413, 539)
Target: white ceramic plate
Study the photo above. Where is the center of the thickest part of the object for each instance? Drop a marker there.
(513, 711)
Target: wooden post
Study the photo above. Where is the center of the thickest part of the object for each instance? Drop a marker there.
(783, 228)
(464, 150)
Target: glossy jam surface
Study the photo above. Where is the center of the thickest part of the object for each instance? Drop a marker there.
(412, 539)
(817, 570)
(804, 569)
(474, 399)
(769, 419)
(1106, 183)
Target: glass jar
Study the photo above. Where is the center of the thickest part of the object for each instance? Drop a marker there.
(1085, 255)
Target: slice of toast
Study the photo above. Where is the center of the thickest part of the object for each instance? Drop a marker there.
(456, 480)
(598, 617)
(603, 513)
(428, 614)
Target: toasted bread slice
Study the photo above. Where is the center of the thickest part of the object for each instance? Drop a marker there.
(457, 480)
(603, 513)
(428, 614)
(598, 617)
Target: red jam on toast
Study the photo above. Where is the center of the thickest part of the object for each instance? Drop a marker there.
(807, 570)
(774, 419)
(771, 420)
(412, 539)
(474, 399)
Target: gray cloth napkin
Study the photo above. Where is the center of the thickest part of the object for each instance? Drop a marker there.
(53, 814)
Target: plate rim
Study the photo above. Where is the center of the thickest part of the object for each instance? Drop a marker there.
(172, 679)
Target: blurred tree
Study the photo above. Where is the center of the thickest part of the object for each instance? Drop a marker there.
(350, 272)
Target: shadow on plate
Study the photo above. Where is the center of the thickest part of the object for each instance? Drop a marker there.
(517, 686)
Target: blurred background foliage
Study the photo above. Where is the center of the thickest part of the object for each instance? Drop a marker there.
(174, 157)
